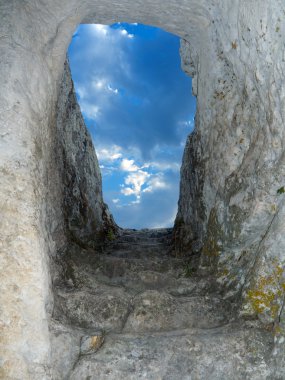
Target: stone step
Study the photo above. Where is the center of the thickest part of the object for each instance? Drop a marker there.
(140, 248)
(151, 233)
(145, 235)
(135, 276)
(114, 309)
(143, 254)
(120, 263)
(159, 311)
(230, 352)
(102, 308)
(145, 242)
(141, 237)
(135, 312)
(136, 282)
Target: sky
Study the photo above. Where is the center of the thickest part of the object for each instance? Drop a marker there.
(137, 104)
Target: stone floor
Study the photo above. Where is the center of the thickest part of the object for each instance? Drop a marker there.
(136, 312)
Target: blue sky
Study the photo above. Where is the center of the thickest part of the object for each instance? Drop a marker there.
(138, 107)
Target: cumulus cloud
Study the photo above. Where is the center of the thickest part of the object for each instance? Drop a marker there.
(99, 29)
(161, 165)
(128, 165)
(109, 154)
(134, 182)
(156, 182)
(126, 34)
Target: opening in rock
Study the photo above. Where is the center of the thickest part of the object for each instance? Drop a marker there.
(137, 105)
(231, 208)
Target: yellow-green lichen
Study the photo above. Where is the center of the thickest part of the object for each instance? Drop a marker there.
(265, 296)
(223, 272)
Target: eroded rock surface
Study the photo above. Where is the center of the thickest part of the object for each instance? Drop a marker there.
(86, 216)
(128, 300)
(231, 211)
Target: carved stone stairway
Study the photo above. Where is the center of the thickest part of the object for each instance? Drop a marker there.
(136, 312)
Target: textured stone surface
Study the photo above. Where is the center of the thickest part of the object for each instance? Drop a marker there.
(229, 210)
(163, 336)
(86, 216)
(66, 342)
(215, 355)
(157, 310)
(104, 310)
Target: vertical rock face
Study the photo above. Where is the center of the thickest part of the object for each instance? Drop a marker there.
(231, 207)
(86, 217)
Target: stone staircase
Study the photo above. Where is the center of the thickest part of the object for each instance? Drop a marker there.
(136, 312)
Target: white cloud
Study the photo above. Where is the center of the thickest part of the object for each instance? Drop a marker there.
(135, 181)
(111, 153)
(99, 29)
(156, 183)
(106, 31)
(91, 111)
(98, 84)
(174, 166)
(115, 200)
(128, 165)
(113, 90)
(126, 34)
(127, 191)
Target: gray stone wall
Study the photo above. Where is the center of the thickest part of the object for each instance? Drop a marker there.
(230, 209)
(86, 218)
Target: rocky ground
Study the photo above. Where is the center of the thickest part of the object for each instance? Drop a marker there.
(136, 312)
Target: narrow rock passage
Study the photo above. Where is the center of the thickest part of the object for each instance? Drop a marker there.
(136, 312)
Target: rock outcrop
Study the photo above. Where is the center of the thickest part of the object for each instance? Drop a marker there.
(86, 216)
(231, 206)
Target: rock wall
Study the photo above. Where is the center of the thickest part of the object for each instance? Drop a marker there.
(86, 217)
(230, 209)
(231, 206)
